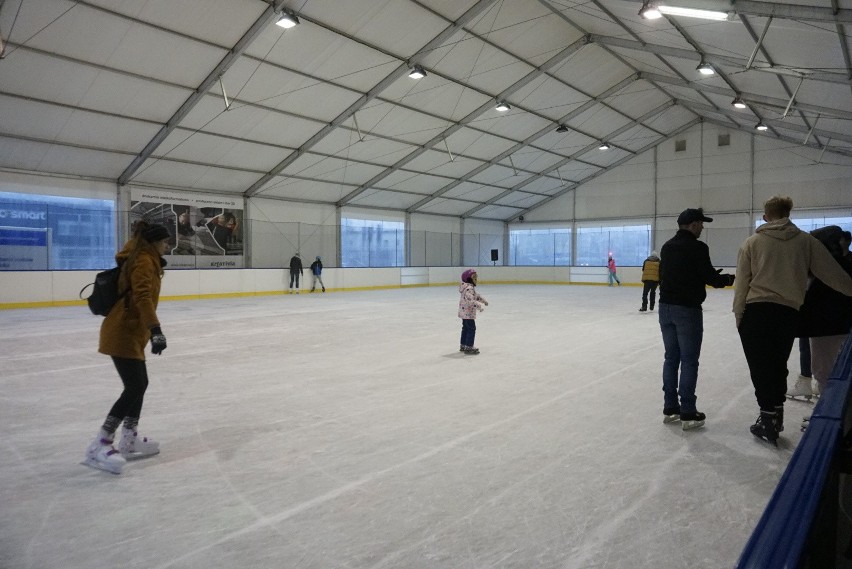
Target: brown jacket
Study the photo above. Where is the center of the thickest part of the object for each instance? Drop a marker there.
(126, 330)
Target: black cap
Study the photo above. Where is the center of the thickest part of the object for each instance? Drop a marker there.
(687, 216)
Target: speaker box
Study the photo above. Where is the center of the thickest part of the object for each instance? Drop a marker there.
(494, 254)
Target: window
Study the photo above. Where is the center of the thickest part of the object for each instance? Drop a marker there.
(628, 244)
(39, 232)
(548, 247)
(372, 243)
(812, 222)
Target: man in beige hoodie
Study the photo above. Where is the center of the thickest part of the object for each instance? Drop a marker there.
(772, 277)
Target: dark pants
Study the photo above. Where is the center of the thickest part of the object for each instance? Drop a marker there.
(767, 331)
(134, 376)
(649, 287)
(805, 357)
(294, 275)
(468, 332)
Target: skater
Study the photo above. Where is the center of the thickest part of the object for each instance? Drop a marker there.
(469, 303)
(131, 323)
(295, 271)
(650, 280)
(613, 276)
(316, 274)
(772, 269)
(825, 317)
(685, 271)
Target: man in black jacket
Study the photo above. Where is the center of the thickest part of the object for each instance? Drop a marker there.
(685, 271)
(295, 271)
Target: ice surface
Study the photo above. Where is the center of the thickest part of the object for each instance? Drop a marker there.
(345, 430)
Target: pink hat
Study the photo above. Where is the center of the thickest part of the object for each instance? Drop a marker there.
(467, 274)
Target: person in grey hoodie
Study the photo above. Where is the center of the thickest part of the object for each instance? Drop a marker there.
(772, 278)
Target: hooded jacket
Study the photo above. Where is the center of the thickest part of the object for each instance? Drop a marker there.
(127, 328)
(773, 266)
(470, 302)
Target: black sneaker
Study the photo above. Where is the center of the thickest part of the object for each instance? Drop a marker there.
(471, 351)
(671, 414)
(692, 420)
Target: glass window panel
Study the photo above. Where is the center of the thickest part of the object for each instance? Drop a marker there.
(372, 243)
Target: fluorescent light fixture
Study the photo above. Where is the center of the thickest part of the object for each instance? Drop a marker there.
(562, 128)
(502, 106)
(761, 126)
(650, 12)
(417, 72)
(738, 103)
(693, 13)
(604, 146)
(705, 69)
(287, 20)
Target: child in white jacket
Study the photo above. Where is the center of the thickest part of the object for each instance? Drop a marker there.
(469, 304)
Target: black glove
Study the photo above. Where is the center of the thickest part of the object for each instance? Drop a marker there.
(158, 341)
(730, 279)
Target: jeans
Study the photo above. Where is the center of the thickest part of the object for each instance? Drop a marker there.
(649, 287)
(613, 278)
(468, 332)
(767, 332)
(294, 276)
(683, 331)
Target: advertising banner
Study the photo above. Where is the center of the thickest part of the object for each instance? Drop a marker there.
(206, 230)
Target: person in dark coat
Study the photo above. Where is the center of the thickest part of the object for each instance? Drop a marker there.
(295, 271)
(316, 273)
(685, 271)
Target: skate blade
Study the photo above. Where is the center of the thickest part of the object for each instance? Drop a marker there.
(670, 419)
(139, 455)
(773, 442)
(806, 398)
(689, 425)
(99, 466)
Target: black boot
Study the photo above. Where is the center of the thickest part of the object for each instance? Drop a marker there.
(643, 309)
(779, 414)
(766, 427)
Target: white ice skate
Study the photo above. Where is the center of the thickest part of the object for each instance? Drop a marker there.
(103, 456)
(132, 446)
(802, 390)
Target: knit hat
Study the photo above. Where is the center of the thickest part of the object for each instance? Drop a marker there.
(155, 233)
(467, 274)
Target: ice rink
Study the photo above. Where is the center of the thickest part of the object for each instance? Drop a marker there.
(345, 431)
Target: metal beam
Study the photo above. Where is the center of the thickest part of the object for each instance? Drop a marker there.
(769, 9)
(401, 70)
(546, 130)
(713, 59)
(582, 151)
(230, 58)
(607, 169)
(520, 83)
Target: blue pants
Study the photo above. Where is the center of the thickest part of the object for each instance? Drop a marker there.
(468, 332)
(683, 331)
(613, 278)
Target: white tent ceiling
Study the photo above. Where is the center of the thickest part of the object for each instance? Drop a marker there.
(132, 91)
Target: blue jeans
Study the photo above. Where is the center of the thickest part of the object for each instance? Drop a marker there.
(683, 331)
(613, 278)
(468, 332)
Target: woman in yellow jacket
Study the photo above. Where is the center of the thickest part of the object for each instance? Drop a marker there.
(125, 331)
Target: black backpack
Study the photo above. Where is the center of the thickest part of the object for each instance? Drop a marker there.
(104, 291)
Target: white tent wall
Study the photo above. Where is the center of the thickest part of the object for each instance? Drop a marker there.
(434, 241)
(25, 183)
(480, 237)
(279, 229)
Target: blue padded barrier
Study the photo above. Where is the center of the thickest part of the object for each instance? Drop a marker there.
(779, 538)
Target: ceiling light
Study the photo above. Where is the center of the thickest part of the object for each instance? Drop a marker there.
(650, 12)
(738, 103)
(562, 128)
(761, 126)
(693, 13)
(502, 106)
(417, 72)
(604, 146)
(287, 20)
(705, 69)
